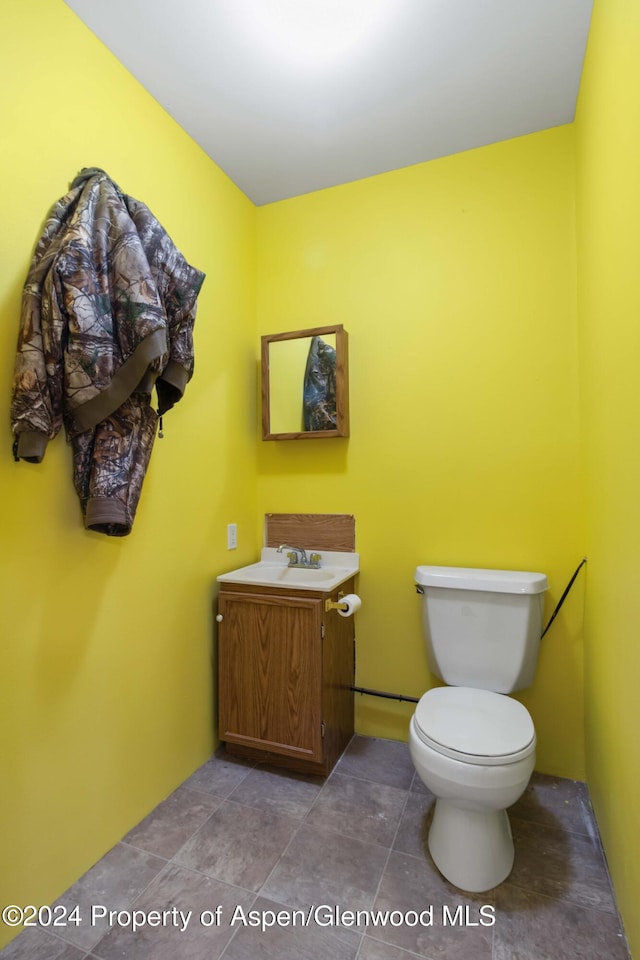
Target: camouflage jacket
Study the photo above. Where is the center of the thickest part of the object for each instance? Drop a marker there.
(108, 309)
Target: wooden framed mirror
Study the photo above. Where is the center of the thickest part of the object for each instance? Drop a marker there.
(305, 384)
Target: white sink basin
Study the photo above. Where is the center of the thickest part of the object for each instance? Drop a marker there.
(273, 571)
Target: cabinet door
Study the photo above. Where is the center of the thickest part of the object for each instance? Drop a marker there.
(270, 673)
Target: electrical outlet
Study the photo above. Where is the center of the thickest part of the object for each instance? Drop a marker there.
(232, 536)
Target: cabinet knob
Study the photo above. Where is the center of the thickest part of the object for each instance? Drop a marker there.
(219, 618)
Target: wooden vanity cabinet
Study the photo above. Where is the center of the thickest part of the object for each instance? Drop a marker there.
(285, 671)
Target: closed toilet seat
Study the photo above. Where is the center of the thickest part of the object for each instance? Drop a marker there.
(475, 726)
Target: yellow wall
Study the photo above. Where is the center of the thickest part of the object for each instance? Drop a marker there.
(106, 680)
(608, 141)
(456, 282)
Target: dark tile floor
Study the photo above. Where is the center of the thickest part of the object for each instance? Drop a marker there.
(244, 862)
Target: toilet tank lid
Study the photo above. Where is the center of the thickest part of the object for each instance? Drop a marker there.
(473, 578)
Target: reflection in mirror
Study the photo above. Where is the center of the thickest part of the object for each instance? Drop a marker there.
(319, 391)
(305, 384)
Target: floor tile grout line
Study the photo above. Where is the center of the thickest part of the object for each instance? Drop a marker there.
(319, 794)
(377, 783)
(339, 773)
(276, 900)
(52, 933)
(204, 793)
(345, 836)
(386, 863)
(131, 906)
(249, 806)
(167, 865)
(237, 932)
(386, 943)
(580, 834)
(209, 876)
(128, 907)
(305, 822)
(275, 866)
(557, 898)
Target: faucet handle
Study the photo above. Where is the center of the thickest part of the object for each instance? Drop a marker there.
(315, 559)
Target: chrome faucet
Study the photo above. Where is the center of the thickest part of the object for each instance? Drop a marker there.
(298, 556)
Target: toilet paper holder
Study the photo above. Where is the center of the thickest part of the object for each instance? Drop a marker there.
(346, 605)
(338, 604)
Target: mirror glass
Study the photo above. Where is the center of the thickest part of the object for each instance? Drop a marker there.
(305, 384)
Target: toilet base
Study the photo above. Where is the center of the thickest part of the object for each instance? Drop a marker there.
(473, 849)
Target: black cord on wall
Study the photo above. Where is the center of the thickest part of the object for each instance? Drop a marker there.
(564, 596)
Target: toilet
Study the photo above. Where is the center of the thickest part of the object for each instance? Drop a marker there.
(471, 744)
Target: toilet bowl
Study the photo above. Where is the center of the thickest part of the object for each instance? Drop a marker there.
(475, 750)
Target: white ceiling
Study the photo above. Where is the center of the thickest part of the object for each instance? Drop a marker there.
(290, 96)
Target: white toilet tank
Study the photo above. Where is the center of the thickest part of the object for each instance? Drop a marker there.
(482, 627)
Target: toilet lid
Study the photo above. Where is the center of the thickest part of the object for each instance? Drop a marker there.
(477, 726)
